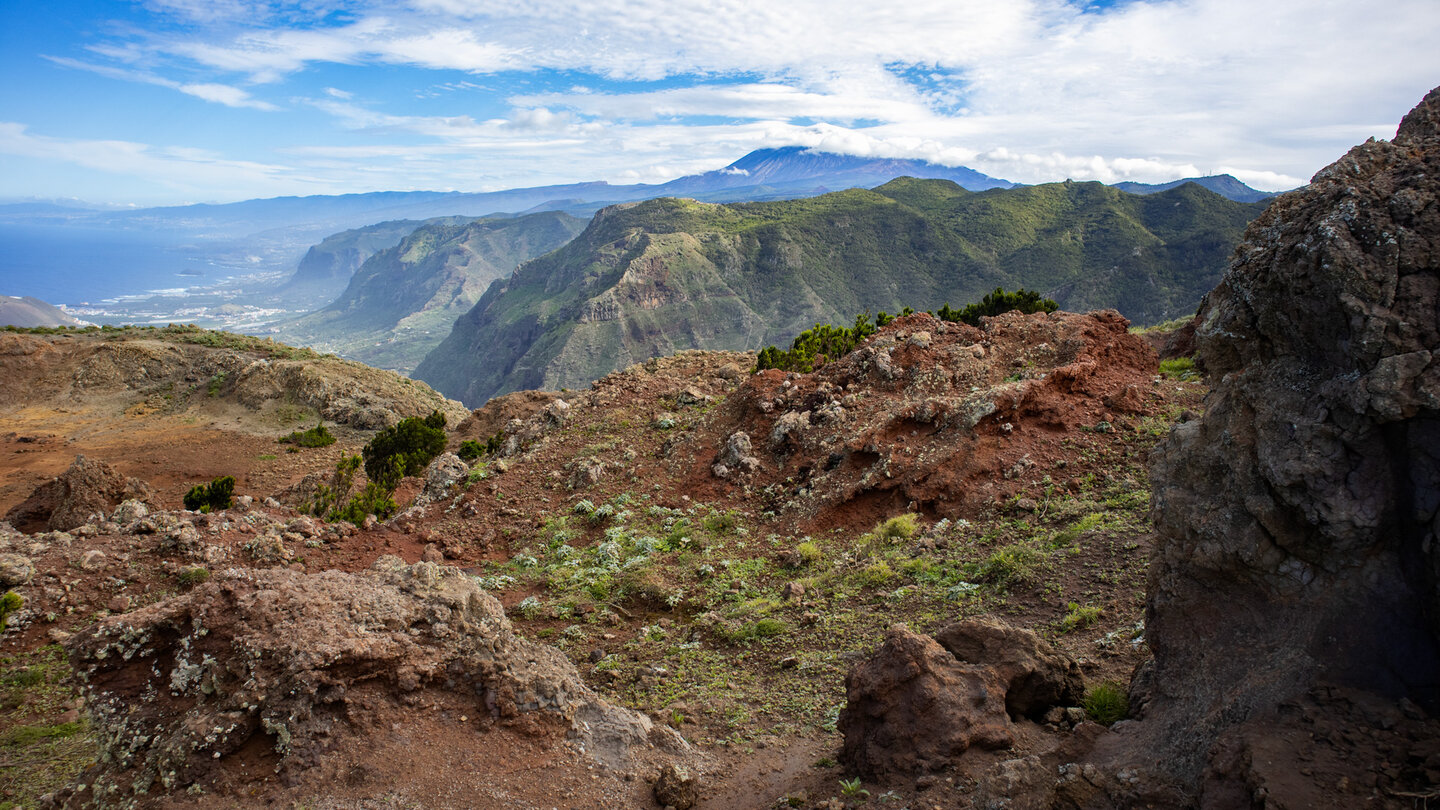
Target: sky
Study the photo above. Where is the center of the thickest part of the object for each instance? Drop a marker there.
(177, 101)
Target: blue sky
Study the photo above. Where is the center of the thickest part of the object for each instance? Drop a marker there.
(176, 101)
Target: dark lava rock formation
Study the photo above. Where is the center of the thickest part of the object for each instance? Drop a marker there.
(71, 499)
(1297, 566)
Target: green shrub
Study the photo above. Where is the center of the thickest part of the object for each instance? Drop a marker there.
(471, 449)
(1106, 703)
(9, 603)
(809, 552)
(318, 436)
(190, 577)
(406, 448)
(900, 527)
(211, 497)
(765, 628)
(1010, 565)
(814, 347)
(875, 574)
(327, 496)
(997, 302)
(375, 499)
(719, 522)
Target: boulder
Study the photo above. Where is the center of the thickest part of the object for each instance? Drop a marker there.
(441, 476)
(15, 570)
(913, 708)
(67, 502)
(1035, 678)
(676, 787)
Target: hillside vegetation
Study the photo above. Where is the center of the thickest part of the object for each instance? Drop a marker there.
(401, 301)
(648, 279)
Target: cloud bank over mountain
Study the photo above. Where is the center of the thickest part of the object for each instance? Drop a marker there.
(262, 98)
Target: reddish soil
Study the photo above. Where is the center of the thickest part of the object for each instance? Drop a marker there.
(1076, 402)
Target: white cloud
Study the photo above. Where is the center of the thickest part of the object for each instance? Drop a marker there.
(209, 91)
(188, 171)
(224, 94)
(1029, 90)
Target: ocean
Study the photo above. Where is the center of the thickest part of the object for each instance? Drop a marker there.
(75, 265)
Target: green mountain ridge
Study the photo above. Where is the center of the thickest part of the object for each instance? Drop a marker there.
(402, 300)
(664, 275)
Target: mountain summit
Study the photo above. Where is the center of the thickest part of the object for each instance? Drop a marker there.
(793, 166)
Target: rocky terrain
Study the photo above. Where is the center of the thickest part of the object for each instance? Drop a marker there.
(921, 575)
(719, 591)
(176, 405)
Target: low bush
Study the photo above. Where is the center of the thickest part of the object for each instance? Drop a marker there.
(900, 527)
(405, 448)
(1010, 565)
(9, 603)
(211, 497)
(1079, 617)
(996, 303)
(471, 449)
(375, 499)
(318, 436)
(190, 577)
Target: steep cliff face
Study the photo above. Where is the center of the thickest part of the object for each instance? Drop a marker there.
(648, 279)
(401, 301)
(1299, 517)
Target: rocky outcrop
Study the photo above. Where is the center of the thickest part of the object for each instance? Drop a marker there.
(1035, 678)
(940, 416)
(68, 501)
(913, 708)
(278, 670)
(441, 476)
(920, 703)
(1298, 519)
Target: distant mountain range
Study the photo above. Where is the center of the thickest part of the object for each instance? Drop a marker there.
(650, 278)
(28, 312)
(1222, 184)
(402, 300)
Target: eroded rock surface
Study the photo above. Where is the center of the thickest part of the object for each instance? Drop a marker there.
(913, 708)
(274, 670)
(69, 500)
(925, 412)
(1035, 678)
(1299, 517)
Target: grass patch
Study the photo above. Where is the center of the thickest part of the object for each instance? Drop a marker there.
(1106, 703)
(1179, 368)
(1079, 617)
(1010, 565)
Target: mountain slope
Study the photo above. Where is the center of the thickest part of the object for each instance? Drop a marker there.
(402, 300)
(328, 266)
(29, 312)
(652, 278)
(1222, 184)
